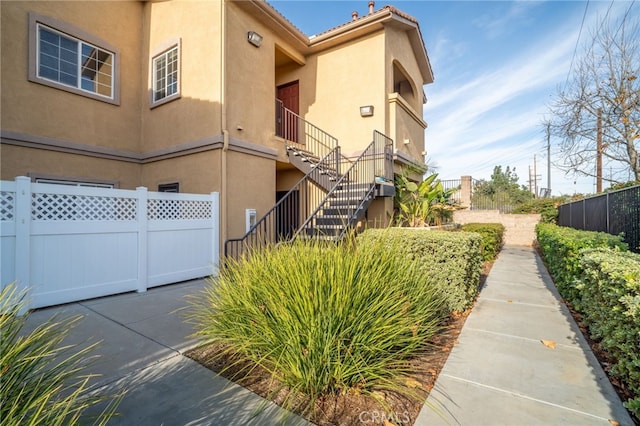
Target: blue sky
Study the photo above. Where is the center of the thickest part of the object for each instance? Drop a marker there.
(497, 66)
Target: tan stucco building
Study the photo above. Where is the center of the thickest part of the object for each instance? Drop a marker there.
(181, 95)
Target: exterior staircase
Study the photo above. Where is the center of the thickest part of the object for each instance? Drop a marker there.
(332, 196)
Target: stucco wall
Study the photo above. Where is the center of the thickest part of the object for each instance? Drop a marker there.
(251, 183)
(406, 123)
(348, 77)
(380, 212)
(39, 110)
(519, 228)
(196, 115)
(18, 161)
(196, 173)
(250, 79)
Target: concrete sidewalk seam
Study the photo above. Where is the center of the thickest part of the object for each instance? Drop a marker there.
(533, 305)
(116, 378)
(518, 395)
(528, 339)
(130, 329)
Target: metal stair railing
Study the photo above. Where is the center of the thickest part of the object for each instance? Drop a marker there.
(354, 191)
(282, 221)
(299, 133)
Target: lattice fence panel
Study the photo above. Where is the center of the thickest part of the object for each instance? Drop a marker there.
(7, 205)
(178, 210)
(81, 207)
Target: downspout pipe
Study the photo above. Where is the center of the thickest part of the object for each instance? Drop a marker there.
(223, 126)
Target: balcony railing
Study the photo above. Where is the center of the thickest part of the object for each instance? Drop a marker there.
(296, 131)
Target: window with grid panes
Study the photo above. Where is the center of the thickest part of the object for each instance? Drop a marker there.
(165, 74)
(72, 62)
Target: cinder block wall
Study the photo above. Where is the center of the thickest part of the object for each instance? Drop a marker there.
(519, 228)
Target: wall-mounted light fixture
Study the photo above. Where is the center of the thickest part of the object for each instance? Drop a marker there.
(366, 111)
(254, 38)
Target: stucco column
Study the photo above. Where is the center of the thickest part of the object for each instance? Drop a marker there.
(465, 191)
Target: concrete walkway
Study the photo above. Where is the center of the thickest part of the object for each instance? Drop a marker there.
(501, 373)
(143, 338)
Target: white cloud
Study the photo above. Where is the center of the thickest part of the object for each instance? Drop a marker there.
(502, 24)
(495, 118)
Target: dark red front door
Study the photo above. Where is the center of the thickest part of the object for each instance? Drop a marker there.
(286, 123)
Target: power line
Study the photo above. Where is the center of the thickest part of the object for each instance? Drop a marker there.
(575, 49)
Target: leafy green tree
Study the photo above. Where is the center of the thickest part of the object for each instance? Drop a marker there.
(502, 188)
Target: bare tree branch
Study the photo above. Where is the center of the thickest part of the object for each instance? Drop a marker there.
(605, 83)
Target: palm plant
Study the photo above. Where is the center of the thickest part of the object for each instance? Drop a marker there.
(41, 380)
(422, 204)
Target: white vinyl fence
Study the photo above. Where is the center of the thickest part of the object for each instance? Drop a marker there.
(69, 243)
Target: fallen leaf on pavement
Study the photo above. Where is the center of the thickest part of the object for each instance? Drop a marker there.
(549, 343)
(614, 423)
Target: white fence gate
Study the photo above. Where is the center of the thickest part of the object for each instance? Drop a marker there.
(69, 243)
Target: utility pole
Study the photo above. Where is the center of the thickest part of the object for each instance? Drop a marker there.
(549, 158)
(530, 182)
(535, 177)
(599, 153)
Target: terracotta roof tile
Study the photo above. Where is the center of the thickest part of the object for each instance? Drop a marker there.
(389, 8)
(282, 16)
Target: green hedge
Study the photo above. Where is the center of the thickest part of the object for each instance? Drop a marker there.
(547, 208)
(492, 238)
(561, 250)
(451, 260)
(609, 287)
(601, 279)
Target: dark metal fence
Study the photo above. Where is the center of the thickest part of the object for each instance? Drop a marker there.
(497, 201)
(615, 212)
(456, 184)
(500, 201)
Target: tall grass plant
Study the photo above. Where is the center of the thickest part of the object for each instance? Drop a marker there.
(42, 381)
(323, 319)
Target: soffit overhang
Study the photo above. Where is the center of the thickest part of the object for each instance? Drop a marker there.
(365, 25)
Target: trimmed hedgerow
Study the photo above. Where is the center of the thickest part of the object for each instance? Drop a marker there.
(561, 248)
(596, 274)
(452, 261)
(492, 238)
(609, 287)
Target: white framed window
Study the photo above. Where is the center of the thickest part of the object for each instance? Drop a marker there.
(75, 183)
(165, 75)
(70, 59)
(251, 217)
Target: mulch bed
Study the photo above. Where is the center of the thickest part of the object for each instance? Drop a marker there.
(351, 408)
(354, 409)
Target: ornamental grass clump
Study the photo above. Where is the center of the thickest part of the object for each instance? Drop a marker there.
(322, 319)
(43, 382)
